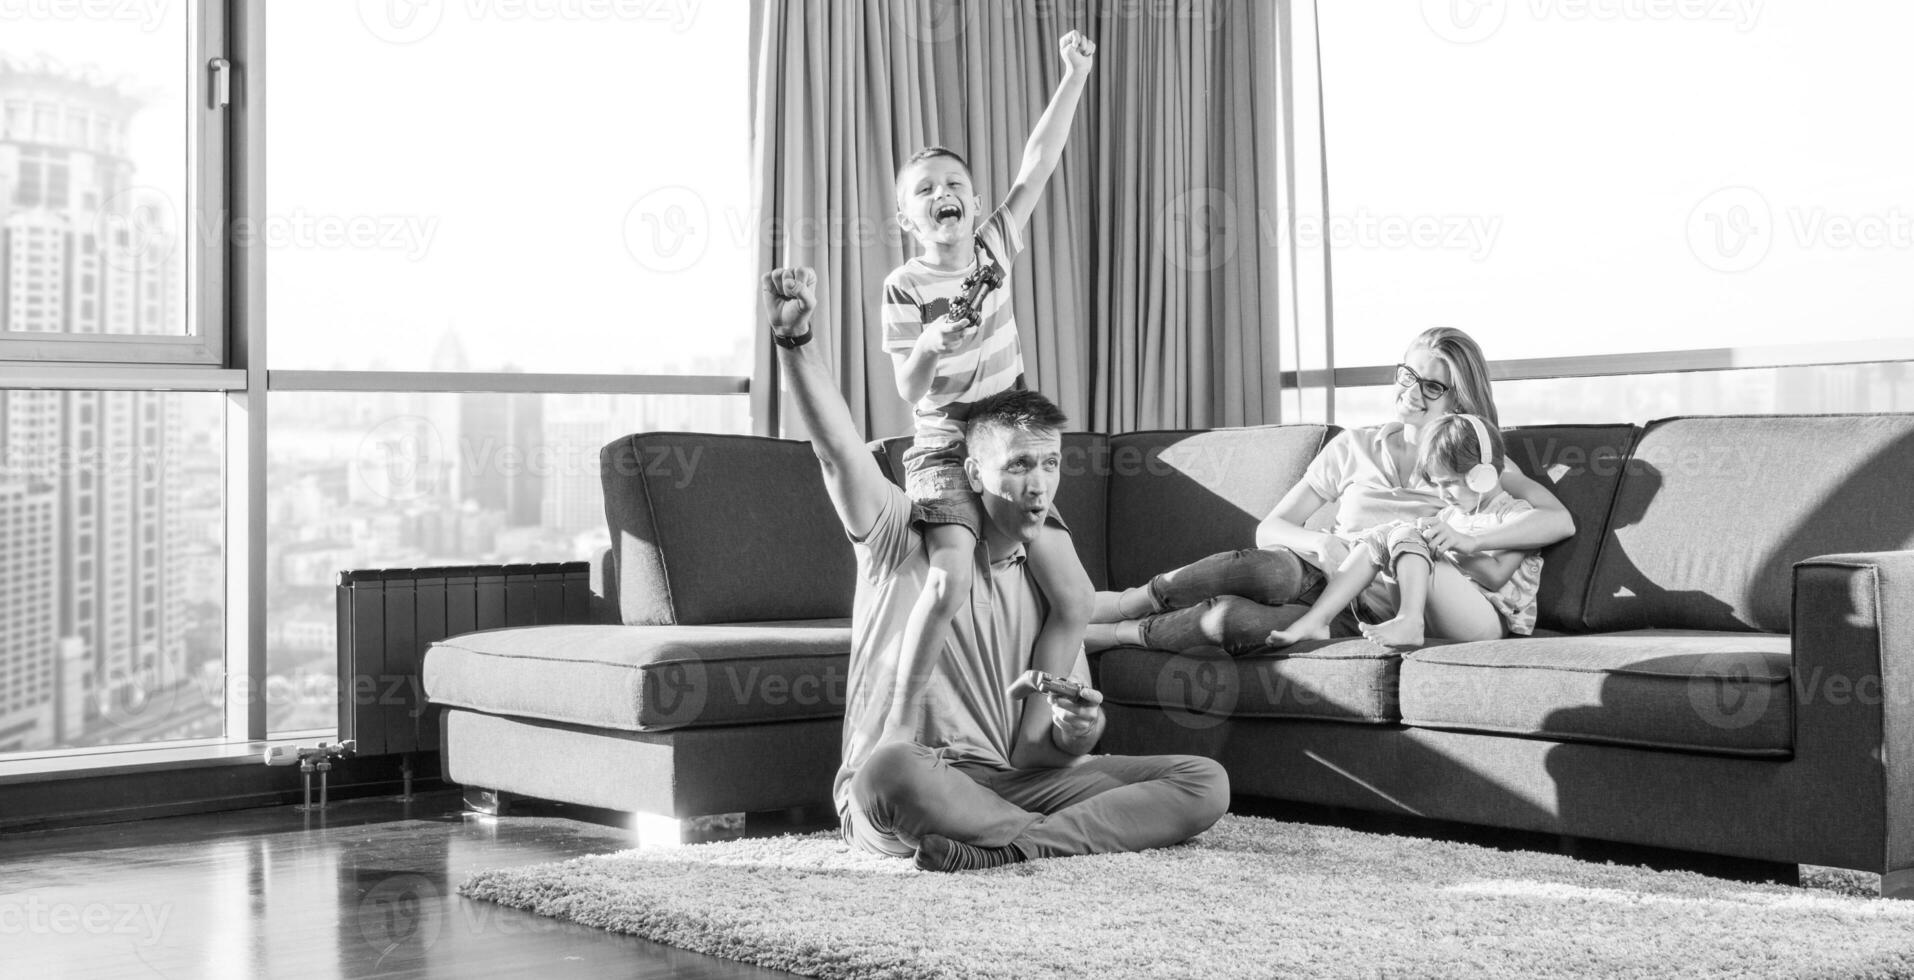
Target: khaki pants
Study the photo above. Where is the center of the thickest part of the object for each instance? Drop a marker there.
(1105, 804)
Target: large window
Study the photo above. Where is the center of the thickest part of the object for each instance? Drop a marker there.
(483, 240)
(399, 480)
(1569, 179)
(99, 119)
(547, 187)
(112, 601)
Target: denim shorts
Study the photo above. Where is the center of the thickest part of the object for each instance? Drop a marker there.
(939, 488)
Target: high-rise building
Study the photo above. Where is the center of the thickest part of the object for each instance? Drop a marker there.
(84, 252)
(575, 429)
(501, 461)
(29, 620)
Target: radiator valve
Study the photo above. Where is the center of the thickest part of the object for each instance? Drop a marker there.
(311, 758)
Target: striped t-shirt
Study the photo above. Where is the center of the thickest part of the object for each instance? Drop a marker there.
(990, 359)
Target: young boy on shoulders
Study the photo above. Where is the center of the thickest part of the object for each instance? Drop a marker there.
(952, 340)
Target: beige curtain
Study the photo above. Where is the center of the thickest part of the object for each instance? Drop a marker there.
(1148, 296)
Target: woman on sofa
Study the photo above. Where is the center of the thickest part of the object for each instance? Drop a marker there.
(1233, 600)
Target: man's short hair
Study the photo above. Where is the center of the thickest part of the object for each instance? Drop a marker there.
(929, 153)
(995, 416)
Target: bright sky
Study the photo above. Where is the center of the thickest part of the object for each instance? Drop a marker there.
(499, 156)
(1616, 175)
(564, 182)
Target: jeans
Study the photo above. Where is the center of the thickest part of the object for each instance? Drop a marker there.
(1105, 804)
(1232, 600)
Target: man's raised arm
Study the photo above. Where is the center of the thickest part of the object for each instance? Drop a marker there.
(858, 488)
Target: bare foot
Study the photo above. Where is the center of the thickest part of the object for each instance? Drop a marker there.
(1396, 634)
(1296, 633)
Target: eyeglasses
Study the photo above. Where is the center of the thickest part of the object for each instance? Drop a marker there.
(1431, 390)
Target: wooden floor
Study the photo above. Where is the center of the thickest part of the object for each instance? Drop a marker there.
(365, 889)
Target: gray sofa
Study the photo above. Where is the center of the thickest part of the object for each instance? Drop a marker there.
(1724, 661)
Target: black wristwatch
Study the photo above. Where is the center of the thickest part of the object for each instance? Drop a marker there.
(791, 343)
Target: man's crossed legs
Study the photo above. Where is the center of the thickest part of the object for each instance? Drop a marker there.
(905, 794)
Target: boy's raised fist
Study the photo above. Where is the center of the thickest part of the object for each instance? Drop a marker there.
(1077, 51)
(790, 294)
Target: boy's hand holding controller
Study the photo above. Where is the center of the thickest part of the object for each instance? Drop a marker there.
(1078, 52)
(943, 335)
(1074, 708)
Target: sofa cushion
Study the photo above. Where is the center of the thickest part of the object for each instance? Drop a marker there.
(1582, 466)
(716, 529)
(1339, 680)
(1082, 497)
(1179, 496)
(1720, 693)
(646, 678)
(1713, 513)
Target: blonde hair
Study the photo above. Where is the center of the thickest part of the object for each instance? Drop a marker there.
(1468, 370)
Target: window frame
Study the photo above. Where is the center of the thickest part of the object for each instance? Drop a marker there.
(208, 151)
(226, 295)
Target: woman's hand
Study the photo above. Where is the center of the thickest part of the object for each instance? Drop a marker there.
(1442, 537)
(1330, 552)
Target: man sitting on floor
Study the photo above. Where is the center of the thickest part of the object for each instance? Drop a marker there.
(945, 766)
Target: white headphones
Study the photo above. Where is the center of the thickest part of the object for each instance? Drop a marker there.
(1482, 476)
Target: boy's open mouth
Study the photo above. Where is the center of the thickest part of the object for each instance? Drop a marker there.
(948, 212)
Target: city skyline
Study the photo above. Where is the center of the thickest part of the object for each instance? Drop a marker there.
(105, 465)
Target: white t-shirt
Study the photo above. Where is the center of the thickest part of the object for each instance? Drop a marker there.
(962, 711)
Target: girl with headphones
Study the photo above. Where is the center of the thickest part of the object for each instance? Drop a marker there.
(1392, 571)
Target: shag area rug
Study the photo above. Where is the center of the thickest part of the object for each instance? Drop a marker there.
(1252, 897)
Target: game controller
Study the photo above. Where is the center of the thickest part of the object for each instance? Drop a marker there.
(976, 286)
(1038, 682)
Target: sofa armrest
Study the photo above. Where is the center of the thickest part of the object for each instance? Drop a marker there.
(1853, 685)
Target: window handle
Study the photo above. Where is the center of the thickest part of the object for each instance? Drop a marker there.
(222, 82)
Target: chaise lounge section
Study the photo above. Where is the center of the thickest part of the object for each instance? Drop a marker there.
(1724, 662)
